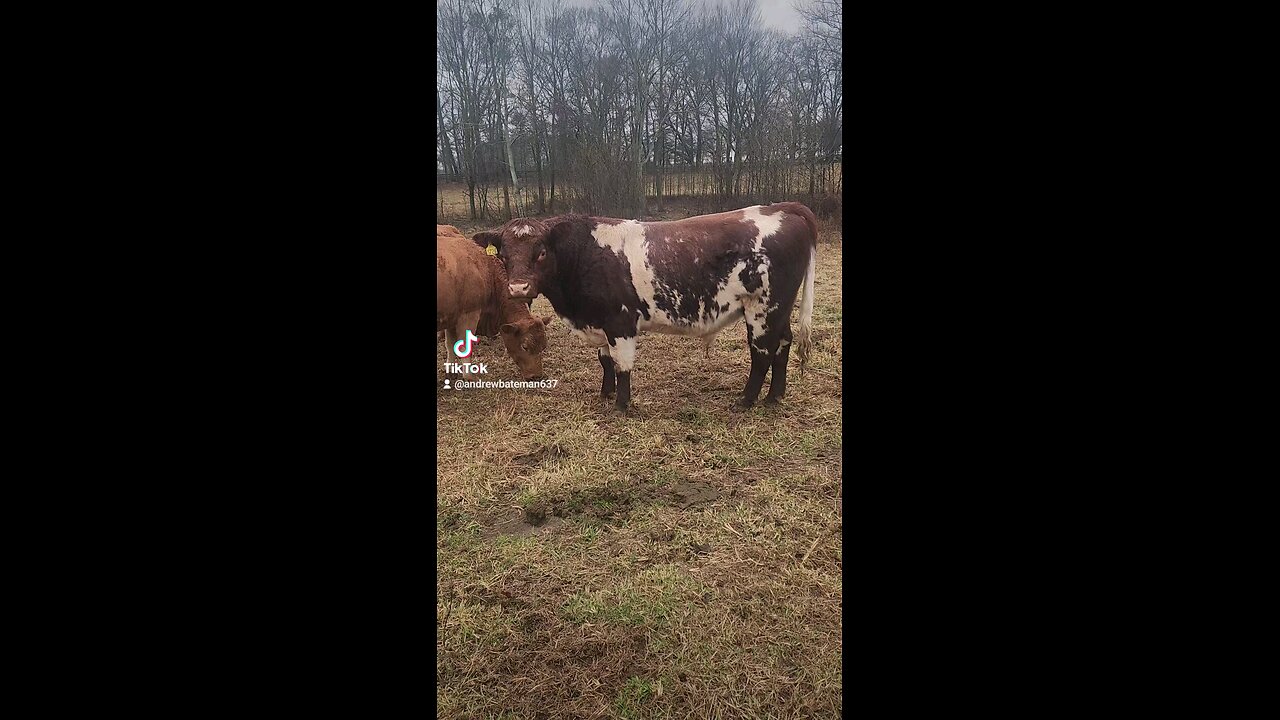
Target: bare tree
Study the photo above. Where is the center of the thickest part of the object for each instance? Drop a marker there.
(606, 106)
(823, 22)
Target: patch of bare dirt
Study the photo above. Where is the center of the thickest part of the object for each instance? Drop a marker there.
(545, 455)
(521, 526)
(687, 493)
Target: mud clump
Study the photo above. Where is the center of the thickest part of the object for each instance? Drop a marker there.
(699, 548)
(687, 493)
(535, 515)
(545, 455)
(665, 535)
(523, 526)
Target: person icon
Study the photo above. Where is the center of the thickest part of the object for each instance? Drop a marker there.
(446, 383)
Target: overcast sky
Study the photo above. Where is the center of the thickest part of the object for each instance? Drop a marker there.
(780, 15)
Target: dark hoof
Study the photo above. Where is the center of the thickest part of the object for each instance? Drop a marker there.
(740, 406)
(772, 400)
(619, 410)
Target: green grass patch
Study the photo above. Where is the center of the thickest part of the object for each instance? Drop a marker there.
(649, 599)
(632, 697)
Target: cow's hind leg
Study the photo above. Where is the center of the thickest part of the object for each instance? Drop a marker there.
(762, 342)
(609, 383)
(778, 384)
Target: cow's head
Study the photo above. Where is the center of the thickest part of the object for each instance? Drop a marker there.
(525, 340)
(524, 250)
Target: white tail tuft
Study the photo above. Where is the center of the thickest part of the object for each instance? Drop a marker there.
(804, 341)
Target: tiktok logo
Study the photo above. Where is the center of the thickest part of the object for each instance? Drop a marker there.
(458, 348)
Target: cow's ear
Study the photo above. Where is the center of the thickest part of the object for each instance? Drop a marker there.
(508, 329)
(487, 238)
(545, 320)
(554, 233)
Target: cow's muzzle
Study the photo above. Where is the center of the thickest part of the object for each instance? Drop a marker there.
(518, 289)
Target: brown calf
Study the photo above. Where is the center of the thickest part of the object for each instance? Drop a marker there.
(471, 287)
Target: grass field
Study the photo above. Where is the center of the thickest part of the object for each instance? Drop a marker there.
(681, 561)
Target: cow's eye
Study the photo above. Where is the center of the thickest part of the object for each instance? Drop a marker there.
(542, 253)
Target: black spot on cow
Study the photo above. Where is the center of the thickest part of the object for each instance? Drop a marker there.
(750, 277)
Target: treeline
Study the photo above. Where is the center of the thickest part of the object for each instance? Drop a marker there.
(592, 109)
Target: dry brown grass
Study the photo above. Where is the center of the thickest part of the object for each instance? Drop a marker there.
(683, 561)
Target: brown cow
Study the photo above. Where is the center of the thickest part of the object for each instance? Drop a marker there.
(470, 284)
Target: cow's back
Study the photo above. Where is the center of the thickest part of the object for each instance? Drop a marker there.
(464, 282)
(689, 275)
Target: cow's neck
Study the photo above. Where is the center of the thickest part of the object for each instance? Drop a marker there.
(562, 289)
(559, 292)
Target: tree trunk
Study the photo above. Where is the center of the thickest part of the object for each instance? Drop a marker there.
(542, 193)
(450, 163)
(511, 163)
(551, 156)
(637, 150)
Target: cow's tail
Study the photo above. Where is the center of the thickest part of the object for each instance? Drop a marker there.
(804, 339)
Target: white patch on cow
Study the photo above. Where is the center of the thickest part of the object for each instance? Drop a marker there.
(623, 352)
(522, 230)
(628, 238)
(624, 308)
(766, 225)
(591, 336)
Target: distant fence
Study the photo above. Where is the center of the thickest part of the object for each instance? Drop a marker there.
(496, 199)
(686, 179)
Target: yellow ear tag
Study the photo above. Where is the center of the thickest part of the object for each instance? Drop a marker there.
(491, 250)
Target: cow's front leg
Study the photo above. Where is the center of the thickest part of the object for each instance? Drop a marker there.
(609, 383)
(623, 352)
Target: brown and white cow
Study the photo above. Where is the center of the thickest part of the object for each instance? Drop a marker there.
(472, 286)
(610, 279)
